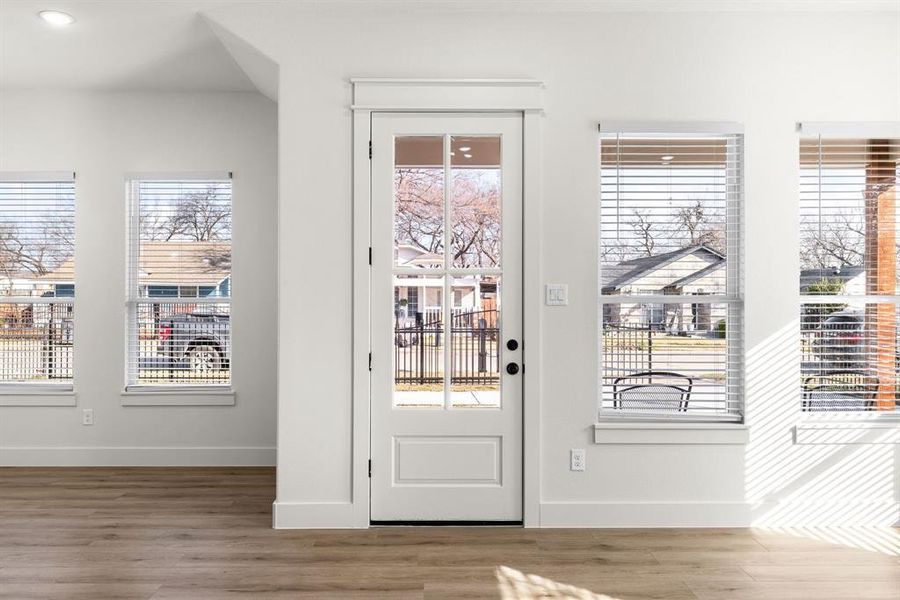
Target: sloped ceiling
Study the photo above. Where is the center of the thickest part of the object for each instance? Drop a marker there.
(132, 45)
(166, 45)
(260, 69)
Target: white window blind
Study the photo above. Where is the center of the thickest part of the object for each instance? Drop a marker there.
(179, 282)
(849, 269)
(37, 280)
(671, 308)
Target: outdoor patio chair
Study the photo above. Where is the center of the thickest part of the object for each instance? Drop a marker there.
(657, 391)
(840, 390)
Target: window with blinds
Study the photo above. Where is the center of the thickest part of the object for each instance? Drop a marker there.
(671, 309)
(179, 282)
(849, 270)
(37, 281)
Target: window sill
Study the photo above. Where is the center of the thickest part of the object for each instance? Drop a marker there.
(26, 395)
(869, 429)
(177, 396)
(631, 432)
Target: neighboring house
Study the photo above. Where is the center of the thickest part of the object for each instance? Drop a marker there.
(204, 270)
(422, 295)
(696, 270)
(852, 278)
(26, 285)
(167, 270)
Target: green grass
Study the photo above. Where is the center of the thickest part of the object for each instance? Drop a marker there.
(663, 341)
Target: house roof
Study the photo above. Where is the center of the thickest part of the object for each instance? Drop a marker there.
(170, 263)
(842, 274)
(627, 271)
(425, 259)
(698, 274)
(421, 257)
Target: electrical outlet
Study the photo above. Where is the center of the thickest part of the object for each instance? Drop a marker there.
(576, 459)
(87, 416)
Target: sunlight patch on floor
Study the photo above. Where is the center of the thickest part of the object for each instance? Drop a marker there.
(516, 585)
(884, 540)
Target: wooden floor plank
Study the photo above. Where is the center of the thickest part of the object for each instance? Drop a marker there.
(205, 533)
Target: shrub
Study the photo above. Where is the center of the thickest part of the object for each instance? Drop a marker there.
(720, 329)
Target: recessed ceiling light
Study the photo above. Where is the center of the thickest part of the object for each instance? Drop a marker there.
(667, 157)
(464, 148)
(55, 17)
(467, 155)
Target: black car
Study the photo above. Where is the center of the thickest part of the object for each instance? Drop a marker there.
(840, 341)
(195, 341)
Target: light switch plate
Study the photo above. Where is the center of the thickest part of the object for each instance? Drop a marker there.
(557, 294)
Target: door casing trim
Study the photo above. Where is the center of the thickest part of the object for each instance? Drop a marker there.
(447, 95)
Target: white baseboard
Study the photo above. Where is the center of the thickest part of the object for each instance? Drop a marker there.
(837, 512)
(316, 515)
(128, 456)
(645, 514)
(827, 513)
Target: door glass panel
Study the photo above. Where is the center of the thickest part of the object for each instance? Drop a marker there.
(419, 201)
(418, 341)
(475, 342)
(475, 201)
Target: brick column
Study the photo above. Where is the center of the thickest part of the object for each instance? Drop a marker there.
(881, 265)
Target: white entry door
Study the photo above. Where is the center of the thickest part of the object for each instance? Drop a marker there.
(446, 315)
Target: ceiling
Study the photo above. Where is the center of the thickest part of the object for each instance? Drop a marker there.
(166, 45)
(122, 45)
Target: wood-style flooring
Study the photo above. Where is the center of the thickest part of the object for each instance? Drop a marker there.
(205, 534)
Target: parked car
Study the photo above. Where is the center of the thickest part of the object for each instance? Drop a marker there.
(840, 340)
(196, 341)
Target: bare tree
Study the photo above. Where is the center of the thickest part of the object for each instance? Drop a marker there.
(643, 231)
(475, 236)
(203, 217)
(701, 227)
(59, 231)
(200, 216)
(419, 211)
(36, 250)
(836, 240)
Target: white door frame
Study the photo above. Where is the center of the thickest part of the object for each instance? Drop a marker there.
(447, 95)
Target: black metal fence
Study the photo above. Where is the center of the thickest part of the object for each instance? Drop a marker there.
(181, 342)
(474, 349)
(36, 341)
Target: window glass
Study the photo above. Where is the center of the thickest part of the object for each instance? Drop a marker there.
(848, 274)
(180, 282)
(37, 281)
(671, 311)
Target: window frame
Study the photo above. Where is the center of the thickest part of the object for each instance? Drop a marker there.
(809, 427)
(44, 392)
(733, 299)
(179, 393)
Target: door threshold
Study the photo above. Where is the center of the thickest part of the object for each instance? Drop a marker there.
(445, 523)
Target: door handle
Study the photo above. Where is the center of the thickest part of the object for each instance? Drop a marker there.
(512, 368)
(512, 345)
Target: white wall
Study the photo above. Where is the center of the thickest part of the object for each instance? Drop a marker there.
(767, 70)
(102, 137)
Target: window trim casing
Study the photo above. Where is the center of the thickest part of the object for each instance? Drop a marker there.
(178, 394)
(809, 426)
(661, 425)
